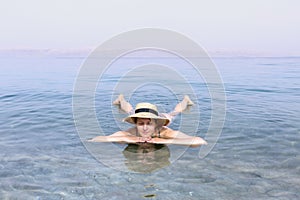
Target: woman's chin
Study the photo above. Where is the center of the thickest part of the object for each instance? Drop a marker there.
(144, 136)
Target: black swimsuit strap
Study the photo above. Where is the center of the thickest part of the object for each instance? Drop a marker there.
(159, 133)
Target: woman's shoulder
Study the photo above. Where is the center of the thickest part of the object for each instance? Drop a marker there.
(166, 132)
(165, 128)
(131, 131)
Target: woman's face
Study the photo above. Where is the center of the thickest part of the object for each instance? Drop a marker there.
(145, 127)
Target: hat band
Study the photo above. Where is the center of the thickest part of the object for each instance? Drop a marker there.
(146, 110)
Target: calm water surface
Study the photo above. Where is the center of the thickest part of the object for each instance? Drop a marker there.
(43, 157)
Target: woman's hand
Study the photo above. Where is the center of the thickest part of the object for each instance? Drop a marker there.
(131, 139)
(159, 141)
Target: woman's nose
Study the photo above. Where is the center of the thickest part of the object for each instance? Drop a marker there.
(145, 127)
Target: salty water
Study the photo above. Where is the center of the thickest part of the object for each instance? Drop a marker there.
(42, 156)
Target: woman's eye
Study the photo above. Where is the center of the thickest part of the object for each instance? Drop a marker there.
(144, 123)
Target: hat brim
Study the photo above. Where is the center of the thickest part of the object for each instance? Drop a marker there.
(161, 120)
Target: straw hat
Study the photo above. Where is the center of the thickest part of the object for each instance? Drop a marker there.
(146, 110)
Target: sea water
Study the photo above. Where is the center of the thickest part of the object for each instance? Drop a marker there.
(42, 156)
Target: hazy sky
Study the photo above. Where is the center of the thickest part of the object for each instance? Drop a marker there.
(254, 25)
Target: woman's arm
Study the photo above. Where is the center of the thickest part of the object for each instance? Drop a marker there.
(170, 136)
(125, 139)
(120, 136)
(121, 139)
(191, 141)
(168, 133)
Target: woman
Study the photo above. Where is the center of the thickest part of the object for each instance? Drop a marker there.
(150, 126)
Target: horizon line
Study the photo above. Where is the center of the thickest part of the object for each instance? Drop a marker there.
(85, 51)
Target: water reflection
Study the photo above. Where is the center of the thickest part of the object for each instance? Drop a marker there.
(145, 157)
